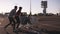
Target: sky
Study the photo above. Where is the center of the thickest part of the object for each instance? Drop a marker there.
(8, 5)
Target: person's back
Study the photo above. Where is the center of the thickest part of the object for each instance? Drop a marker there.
(12, 13)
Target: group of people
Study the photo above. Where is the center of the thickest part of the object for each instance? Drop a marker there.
(16, 18)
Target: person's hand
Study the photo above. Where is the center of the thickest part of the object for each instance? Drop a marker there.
(13, 16)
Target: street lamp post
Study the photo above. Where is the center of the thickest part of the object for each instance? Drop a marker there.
(30, 7)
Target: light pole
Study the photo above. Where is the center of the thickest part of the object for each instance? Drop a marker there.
(30, 7)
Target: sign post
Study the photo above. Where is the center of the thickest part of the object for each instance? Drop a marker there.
(44, 6)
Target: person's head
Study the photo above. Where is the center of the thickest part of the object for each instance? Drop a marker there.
(15, 7)
(20, 7)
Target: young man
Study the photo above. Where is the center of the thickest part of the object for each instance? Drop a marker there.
(18, 13)
(11, 18)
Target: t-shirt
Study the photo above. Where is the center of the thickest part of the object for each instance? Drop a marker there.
(12, 13)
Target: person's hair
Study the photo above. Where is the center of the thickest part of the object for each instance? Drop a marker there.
(20, 7)
(15, 6)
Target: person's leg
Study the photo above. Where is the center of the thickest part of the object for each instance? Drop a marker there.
(18, 22)
(7, 25)
(18, 25)
(10, 22)
(13, 23)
